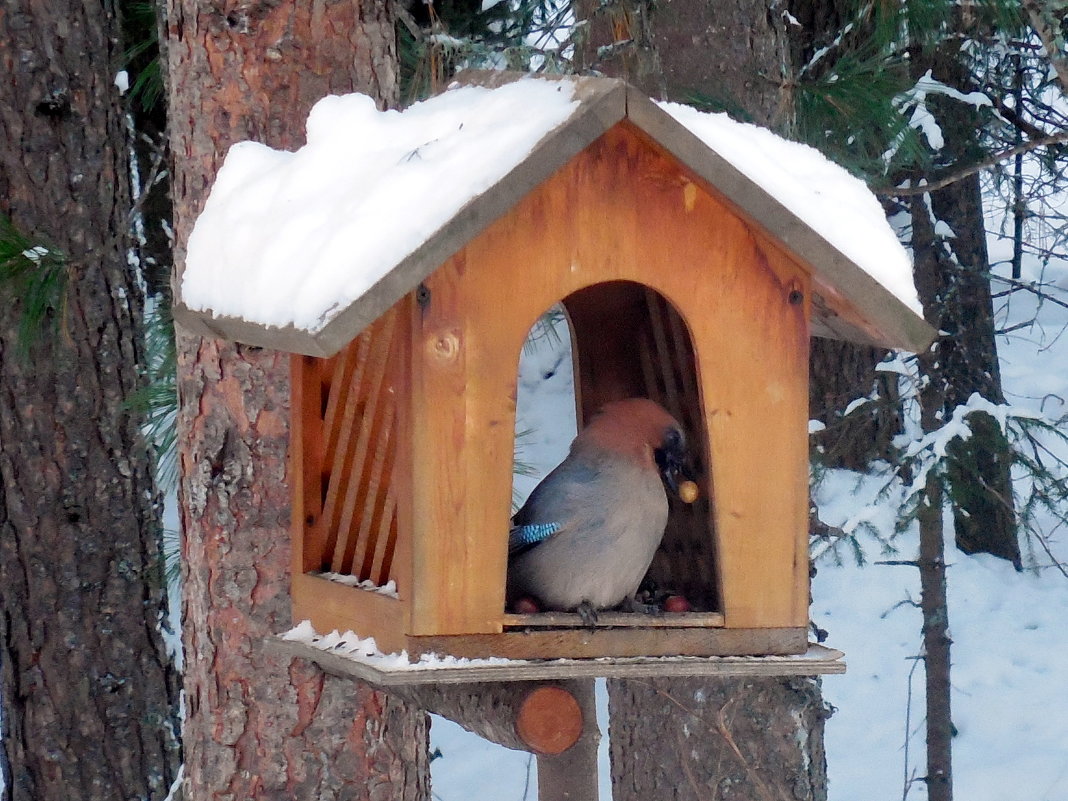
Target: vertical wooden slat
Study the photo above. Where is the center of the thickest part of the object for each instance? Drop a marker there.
(339, 393)
(306, 462)
(679, 336)
(341, 455)
(648, 367)
(386, 536)
(361, 464)
(664, 356)
(397, 561)
(441, 551)
(375, 485)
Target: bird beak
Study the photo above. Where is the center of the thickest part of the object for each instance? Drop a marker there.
(671, 460)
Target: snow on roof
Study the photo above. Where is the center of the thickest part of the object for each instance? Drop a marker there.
(294, 238)
(830, 200)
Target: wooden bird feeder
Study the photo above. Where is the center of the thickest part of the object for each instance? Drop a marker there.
(682, 280)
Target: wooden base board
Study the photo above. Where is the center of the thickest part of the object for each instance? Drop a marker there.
(667, 620)
(817, 660)
(586, 643)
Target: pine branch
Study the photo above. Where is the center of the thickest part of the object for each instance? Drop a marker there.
(952, 178)
(1040, 21)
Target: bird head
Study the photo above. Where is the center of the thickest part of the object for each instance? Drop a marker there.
(670, 458)
(642, 430)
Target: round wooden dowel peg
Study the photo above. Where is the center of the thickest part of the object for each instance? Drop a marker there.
(549, 720)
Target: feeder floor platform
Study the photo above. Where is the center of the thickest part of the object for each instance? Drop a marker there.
(392, 671)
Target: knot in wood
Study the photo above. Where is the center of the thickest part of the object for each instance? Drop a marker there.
(444, 347)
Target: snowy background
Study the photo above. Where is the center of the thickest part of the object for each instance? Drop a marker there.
(1010, 641)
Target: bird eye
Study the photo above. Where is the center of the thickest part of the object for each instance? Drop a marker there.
(672, 438)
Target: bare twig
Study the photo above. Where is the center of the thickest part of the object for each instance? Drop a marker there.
(408, 21)
(817, 528)
(1054, 562)
(155, 171)
(1017, 327)
(1029, 286)
(904, 562)
(952, 178)
(908, 780)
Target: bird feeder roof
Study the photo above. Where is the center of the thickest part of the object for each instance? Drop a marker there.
(301, 251)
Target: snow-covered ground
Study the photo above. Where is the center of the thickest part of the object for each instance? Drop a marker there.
(1010, 641)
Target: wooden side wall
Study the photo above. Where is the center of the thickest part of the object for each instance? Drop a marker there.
(351, 470)
(620, 211)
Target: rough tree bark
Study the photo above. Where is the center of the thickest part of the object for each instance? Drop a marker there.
(709, 738)
(731, 739)
(260, 726)
(936, 646)
(89, 692)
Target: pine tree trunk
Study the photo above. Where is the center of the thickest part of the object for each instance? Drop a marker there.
(89, 692)
(936, 646)
(733, 740)
(727, 54)
(934, 605)
(840, 373)
(260, 726)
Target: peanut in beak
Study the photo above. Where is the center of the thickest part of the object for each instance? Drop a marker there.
(688, 492)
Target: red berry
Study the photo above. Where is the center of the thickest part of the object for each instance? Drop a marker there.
(676, 603)
(526, 606)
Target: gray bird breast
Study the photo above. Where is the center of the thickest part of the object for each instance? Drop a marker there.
(603, 553)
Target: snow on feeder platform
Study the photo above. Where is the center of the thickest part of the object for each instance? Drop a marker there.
(402, 257)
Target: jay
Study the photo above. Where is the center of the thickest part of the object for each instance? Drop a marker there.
(587, 534)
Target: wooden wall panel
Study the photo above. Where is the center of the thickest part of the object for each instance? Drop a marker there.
(330, 605)
(460, 461)
(348, 409)
(624, 211)
(305, 462)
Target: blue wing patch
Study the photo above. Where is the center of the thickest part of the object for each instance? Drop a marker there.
(522, 538)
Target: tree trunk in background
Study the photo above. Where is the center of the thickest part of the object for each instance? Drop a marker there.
(753, 739)
(952, 278)
(729, 54)
(722, 738)
(89, 692)
(936, 646)
(842, 372)
(932, 561)
(260, 726)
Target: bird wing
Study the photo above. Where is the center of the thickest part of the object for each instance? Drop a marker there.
(562, 497)
(523, 538)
